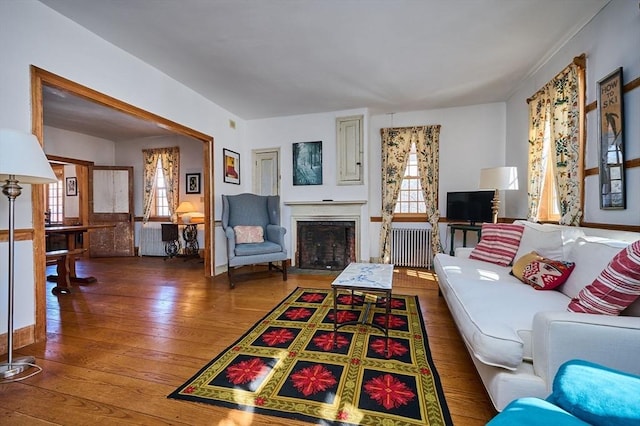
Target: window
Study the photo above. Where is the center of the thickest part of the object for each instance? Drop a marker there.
(160, 200)
(411, 198)
(549, 209)
(55, 204)
(55, 197)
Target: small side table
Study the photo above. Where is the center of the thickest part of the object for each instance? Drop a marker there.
(366, 278)
(464, 228)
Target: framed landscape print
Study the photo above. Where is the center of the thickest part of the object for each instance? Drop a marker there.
(193, 183)
(611, 141)
(231, 166)
(307, 163)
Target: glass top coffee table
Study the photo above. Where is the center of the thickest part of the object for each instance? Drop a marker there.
(368, 278)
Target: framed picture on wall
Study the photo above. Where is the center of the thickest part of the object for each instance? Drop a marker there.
(307, 163)
(231, 166)
(72, 186)
(611, 138)
(193, 183)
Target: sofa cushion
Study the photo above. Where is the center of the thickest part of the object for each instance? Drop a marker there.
(487, 305)
(534, 412)
(499, 243)
(543, 239)
(597, 394)
(617, 286)
(591, 255)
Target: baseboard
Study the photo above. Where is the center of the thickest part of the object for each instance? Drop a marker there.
(22, 337)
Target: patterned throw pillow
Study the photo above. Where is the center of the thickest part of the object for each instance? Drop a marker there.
(248, 234)
(617, 286)
(547, 274)
(499, 243)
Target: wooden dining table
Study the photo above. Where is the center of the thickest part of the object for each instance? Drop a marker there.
(72, 232)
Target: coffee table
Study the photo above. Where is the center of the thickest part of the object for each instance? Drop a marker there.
(367, 278)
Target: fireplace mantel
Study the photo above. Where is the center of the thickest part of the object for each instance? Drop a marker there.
(323, 203)
(349, 210)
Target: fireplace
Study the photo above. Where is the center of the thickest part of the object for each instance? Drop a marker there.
(330, 212)
(328, 245)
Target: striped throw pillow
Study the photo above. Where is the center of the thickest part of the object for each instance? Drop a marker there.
(499, 243)
(617, 286)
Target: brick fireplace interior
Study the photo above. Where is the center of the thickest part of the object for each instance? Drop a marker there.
(329, 245)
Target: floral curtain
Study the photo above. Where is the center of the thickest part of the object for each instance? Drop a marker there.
(557, 103)
(565, 136)
(396, 144)
(170, 158)
(538, 111)
(428, 148)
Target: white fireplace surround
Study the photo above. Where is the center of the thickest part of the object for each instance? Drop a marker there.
(329, 211)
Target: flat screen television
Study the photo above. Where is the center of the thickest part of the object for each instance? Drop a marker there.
(470, 206)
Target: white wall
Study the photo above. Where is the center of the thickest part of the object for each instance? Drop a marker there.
(79, 146)
(471, 138)
(283, 132)
(610, 40)
(33, 34)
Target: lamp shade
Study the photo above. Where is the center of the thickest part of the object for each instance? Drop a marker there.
(501, 178)
(185, 207)
(22, 156)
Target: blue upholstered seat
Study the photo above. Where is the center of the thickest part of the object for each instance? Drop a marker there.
(254, 210)
(583, 393)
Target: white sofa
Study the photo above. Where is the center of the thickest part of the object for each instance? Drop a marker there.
(518, 336)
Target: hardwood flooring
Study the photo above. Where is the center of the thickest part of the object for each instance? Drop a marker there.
(116, 348)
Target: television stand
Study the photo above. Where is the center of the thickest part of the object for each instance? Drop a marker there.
(464, 227)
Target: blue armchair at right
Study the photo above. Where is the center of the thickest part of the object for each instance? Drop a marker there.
(583, 393)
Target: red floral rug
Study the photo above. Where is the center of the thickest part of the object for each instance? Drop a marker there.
(288, 365)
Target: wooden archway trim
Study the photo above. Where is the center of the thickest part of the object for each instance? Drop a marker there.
(40, 78)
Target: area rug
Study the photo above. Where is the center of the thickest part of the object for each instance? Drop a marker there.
(289, 365)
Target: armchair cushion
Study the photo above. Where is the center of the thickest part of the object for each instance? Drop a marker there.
(251, 249)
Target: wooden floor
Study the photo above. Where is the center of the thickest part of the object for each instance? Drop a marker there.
(116, 348)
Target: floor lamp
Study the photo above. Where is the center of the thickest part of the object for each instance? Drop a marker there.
(498, 179)
(21, 160)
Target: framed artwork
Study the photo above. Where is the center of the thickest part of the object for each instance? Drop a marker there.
(72, 186)
(307, 163)
(193, 183)
(231, 166)
(611, 141)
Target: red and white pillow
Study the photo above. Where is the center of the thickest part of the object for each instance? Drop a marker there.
(248, 234)
(617, 286)
(546, 274)
(499, 243)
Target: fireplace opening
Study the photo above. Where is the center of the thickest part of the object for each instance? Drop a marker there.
(329, 245)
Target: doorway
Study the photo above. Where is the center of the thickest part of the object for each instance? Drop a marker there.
(40, 79)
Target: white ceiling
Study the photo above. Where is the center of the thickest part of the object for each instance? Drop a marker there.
(267, 58)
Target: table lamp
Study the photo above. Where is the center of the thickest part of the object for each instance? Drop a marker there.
(21, 160)
(498, 179)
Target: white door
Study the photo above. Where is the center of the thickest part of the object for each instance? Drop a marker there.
(111, 203)
(266, 172)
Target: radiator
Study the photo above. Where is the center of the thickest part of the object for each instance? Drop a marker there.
(411, 247)
(151, 243)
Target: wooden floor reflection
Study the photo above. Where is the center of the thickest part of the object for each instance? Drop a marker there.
(116, 348)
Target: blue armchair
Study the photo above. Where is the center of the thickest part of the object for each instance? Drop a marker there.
(583, 394)
(253, 211)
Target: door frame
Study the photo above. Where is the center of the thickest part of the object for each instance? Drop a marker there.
(40, 78)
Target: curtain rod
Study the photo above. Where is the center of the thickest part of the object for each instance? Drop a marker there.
(579, 61)
(409, 127)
